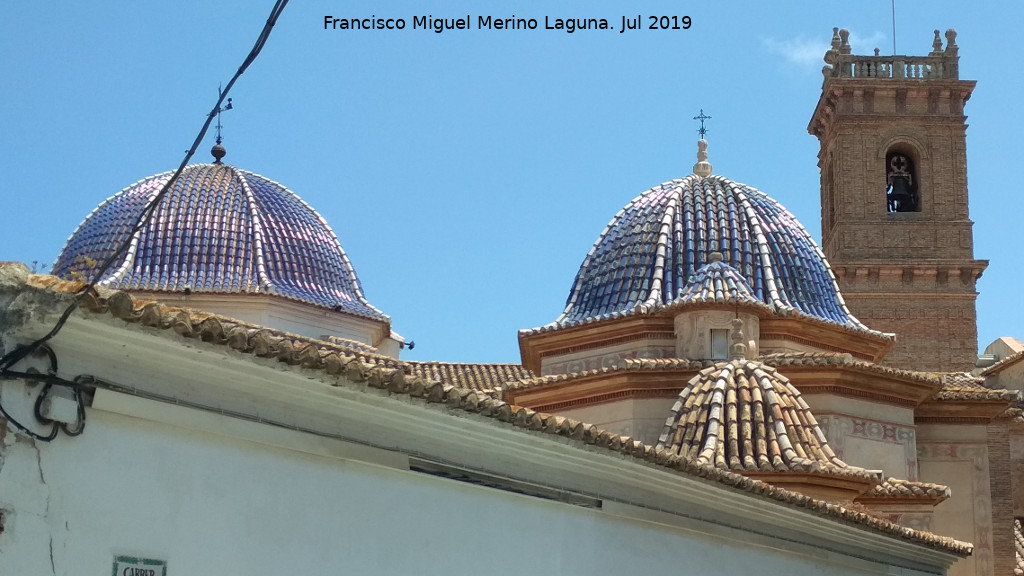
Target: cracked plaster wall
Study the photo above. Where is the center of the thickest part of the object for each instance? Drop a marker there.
(31, 531)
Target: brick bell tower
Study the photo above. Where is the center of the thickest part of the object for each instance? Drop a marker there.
(894, 220)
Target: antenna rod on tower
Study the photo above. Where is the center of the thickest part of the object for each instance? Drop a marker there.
(893, 2)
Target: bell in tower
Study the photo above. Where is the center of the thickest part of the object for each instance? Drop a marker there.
(902, 193)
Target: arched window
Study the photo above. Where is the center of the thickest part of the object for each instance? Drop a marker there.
(901, 183)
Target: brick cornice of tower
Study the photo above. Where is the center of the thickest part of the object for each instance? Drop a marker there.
(881, 86)
(866, 101)
(951, 276)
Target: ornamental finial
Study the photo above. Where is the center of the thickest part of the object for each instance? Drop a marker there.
(738, 350)
(702, 117)
(702, 168)
(218, 151)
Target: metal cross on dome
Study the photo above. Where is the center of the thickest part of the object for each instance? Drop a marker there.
(220, 109)
(702, 117)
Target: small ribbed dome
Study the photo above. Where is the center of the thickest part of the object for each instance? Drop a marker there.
(219, 229)
(743, 415)
(654, 247)
(719, 283)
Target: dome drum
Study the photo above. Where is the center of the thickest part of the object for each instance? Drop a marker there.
(702, 333)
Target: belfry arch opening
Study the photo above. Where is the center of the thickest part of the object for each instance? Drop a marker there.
(901, 182)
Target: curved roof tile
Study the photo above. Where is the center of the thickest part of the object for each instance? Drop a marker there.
(742, 415)
(479, 377)
(898, 489)
(1018, 546)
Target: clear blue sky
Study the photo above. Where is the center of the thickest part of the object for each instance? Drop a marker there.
(468, 173)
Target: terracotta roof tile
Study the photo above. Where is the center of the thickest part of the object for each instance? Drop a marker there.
(353, 344)
(895, 488)
(1018, 541)
(627, 365)
(835, 359)
(744, 416)
(962, 386)
(483, 377)
(962, 380)
(1003, 364)
(389, 376)
(1014, 414)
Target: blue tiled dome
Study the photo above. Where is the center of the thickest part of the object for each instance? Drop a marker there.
(219, 229)
(657, 251)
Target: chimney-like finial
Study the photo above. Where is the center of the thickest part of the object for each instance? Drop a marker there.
(936, 45)
(702, 168)
(951, 48)
(738, 350)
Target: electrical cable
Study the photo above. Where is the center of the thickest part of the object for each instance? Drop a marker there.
(50, 378)
(78, 387)
(28, 431)
(23, 351)
(39, 404)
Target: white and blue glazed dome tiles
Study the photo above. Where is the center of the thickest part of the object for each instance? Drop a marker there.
(658, 245)
(719, 283)
(220, 230)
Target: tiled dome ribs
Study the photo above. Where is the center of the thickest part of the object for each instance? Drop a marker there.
(219, 229)
(655, 246)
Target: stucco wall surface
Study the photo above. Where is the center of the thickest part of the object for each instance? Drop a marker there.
(208, 504)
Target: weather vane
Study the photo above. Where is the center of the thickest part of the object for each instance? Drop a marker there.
(225, 108)
(702, 117)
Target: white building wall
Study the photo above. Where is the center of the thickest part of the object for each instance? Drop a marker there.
(208, 504)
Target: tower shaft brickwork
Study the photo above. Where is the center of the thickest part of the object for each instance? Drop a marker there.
(894, 211)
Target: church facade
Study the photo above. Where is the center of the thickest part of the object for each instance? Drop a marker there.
(719, 391)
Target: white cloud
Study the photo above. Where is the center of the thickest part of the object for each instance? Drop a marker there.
(804, 51)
